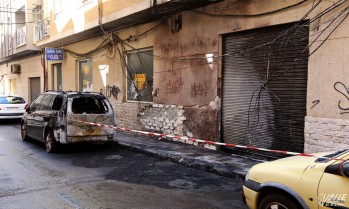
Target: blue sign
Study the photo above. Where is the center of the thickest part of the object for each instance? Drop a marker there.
(54, 54)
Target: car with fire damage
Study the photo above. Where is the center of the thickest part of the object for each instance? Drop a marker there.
(318, 181)
(54, 117)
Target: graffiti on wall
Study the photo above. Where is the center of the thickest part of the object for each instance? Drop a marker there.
(343, 90)
(315, 102)
(111, 91)
(174, 86)
(199, 89)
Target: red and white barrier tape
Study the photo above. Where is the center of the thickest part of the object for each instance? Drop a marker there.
(208, 142)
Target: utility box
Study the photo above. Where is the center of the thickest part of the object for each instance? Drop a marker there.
(15, 69)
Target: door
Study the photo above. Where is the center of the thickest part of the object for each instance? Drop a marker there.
(12, 86)
(41, 116)
(85, 76)
(57, 76)
(264, 89)
(32, 129)
(34, 87)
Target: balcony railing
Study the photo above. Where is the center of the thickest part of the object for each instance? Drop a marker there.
(42, 29)
(21, 36)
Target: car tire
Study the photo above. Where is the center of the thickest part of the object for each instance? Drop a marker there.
(108, 144)
(279, 201)
(51, 145)
(24, 132)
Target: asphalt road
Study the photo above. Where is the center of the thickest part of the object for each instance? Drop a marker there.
(92, 177)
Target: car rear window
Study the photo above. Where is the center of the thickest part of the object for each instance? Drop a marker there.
(89, 105)
(11, 100)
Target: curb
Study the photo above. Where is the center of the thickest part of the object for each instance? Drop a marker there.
(223, 164)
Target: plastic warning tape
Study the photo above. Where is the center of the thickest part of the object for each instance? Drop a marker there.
(174, 137)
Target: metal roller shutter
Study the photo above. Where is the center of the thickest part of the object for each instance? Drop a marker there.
(274, 117)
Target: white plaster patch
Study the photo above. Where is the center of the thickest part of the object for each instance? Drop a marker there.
(216, 103)
(189, 134)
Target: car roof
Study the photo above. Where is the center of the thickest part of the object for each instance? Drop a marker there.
(70, 93)
(9, 95)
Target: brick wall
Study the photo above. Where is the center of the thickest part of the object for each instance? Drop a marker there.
(325, 134)
(127, 114)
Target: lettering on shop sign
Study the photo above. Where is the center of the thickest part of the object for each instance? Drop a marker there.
(174, 86)
(200, 89)
(54, 54)
(343, 90)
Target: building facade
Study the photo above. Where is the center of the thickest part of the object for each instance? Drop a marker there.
(20, 59)
(265, 73)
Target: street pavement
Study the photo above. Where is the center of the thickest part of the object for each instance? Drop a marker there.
(221, 163)
(89, 176)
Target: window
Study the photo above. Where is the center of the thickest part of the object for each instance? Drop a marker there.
(57, 103)
(37, 13)
(36, 104)
(12, 86)
(89, 105)
(140, 76)
(45, 104)
(85, 76)
(11, 100)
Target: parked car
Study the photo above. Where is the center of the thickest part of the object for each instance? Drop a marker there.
(12, 107)
(299, 182)
(53, 119)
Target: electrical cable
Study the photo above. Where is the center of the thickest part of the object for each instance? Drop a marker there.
(251, 15)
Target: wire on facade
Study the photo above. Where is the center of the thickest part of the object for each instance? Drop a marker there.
(250, 15)
(335, 22)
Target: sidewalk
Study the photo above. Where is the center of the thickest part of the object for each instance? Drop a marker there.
(221, 163)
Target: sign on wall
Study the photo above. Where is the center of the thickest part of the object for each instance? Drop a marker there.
(54, 54)
(140, 79)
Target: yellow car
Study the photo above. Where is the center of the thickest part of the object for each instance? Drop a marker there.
(317, 182)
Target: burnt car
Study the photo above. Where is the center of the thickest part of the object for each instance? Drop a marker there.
(53, 118)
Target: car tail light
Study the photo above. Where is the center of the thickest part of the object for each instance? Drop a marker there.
(26, 106)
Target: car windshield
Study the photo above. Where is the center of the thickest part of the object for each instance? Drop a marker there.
(89, 105)
(329, 156)
(11, 100)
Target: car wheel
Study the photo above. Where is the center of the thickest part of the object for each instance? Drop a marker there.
(24, 132)
(108, 144)
(278, 201)
(51, 144)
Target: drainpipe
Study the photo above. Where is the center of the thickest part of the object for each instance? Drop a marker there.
(43, 63)
(154, 8)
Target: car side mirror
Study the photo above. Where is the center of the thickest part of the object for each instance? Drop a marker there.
(344, 169)
(27, 110)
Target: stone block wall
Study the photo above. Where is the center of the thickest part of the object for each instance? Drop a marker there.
(169, 119)
(325, 134)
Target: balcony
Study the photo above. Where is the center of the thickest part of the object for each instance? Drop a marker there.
(21, 35)
(42, 30)
(136, 14)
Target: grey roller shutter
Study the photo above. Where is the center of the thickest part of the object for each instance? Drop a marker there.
(274, 116)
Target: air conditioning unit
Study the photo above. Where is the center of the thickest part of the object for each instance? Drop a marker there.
(15, 69)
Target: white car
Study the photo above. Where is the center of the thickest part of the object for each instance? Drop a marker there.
(12, 107)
